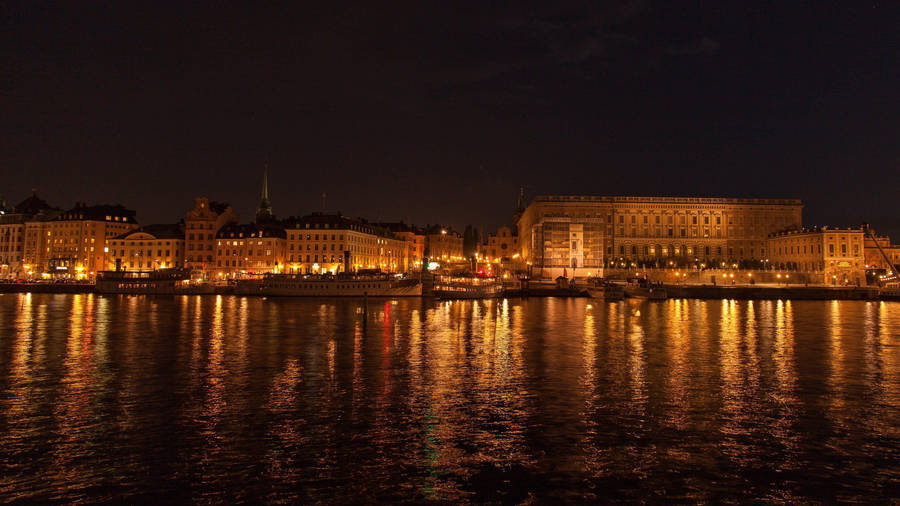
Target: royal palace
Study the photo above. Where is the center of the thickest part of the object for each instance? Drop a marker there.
(583, 234)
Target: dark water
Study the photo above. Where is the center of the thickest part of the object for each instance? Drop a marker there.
(222, 399)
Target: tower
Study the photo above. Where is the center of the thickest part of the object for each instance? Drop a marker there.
(264, 211)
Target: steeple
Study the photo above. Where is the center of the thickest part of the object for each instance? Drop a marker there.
(264, 212)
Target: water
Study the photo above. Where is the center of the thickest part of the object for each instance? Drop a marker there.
(213, 399)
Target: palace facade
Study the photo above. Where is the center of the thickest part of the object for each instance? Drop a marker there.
(836, 253)
(583, 234)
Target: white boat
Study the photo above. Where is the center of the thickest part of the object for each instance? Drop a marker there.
(300, 285)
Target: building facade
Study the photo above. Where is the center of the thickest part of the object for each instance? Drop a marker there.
(148, 248)
(319, 243)
(443, 244)
(72, 244)
(874, 258)
(13, 233)
(249, 250)
(415, 242)
(835, 252)
(583, 234)
(201, 224)
(500, 246)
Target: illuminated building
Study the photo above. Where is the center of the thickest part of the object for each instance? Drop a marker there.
(13, 233)
(585, 233)
(836, 253)
(74, 241)
(148, 248)
(251, 249)
(335, 243)
(442, 244)
(202, 223)
(415, 241)
(874, 259)
(500, 246)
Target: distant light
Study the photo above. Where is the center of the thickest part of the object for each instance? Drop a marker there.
(433, 265)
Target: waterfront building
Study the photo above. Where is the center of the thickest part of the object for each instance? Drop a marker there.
(334, 243)
(500, 246)
(836, 253)
(415, 241)
(13, 233)
(578, 235)
(72, 243)
(874, 258)
(249, 250)
(443, 244)
(147, 248)
(201, 225)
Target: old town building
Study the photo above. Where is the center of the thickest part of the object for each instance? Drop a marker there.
(873, 254)
(72, 244)
(500, 246)
(583, 234)
(335, 243)
(147, 248)
(836, 253)
(249, 250)
(443, 244)
(13, 234)
(415, 241)
(201, 224)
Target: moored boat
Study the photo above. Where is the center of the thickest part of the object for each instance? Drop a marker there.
(160, 282)
(300, 285)
(467, 287)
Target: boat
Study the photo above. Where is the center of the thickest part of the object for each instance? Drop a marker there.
(467, 287)
(602, 289)
(341, 285)
(160, 282)
(640, 288)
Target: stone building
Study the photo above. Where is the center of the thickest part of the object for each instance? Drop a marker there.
(247, 250)
(72, 244)
(415, 241)
(579, 235)
(443, 244)
(836, 253)
(874, 258)
(320, 242)
(13, 234)
(500, 246)
(201, 224)
(147, 248)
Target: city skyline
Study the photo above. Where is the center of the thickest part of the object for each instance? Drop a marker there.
(443, 114)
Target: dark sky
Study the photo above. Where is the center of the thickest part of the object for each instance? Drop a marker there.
(439, 114)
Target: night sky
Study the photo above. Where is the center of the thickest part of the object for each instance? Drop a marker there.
(439, 114)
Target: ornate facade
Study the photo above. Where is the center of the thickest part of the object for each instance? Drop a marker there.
(583, 234)
(835, 252)
(201, 224)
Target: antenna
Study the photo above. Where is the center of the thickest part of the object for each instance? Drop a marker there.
(324, 196)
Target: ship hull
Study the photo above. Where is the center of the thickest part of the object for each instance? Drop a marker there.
(329, 288)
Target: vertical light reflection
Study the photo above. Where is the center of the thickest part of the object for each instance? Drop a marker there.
(835, 379)
(73, 405)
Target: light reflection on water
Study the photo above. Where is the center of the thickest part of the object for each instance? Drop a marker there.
(231, 398)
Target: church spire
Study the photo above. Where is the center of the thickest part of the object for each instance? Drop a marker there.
(264, 212)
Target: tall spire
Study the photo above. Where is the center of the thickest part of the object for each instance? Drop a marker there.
(265, 187)
(264, 212)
